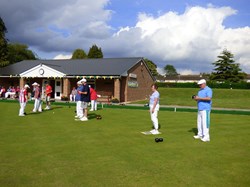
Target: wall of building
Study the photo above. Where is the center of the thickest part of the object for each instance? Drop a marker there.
(143, 80)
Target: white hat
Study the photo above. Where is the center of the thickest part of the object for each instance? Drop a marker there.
(79, 82)
(83, 80)
(202, 81)
(26, 86)
(35, 84)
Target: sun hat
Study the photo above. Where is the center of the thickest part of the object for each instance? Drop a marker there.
(26, 86)
(202, 81)
(83, 80)
(35, 84)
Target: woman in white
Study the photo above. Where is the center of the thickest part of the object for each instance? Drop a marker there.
(154, 108)
(37, 96)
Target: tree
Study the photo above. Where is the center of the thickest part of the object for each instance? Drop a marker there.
(226, 69)
(3, 45)
(152, 67)
(95, 52)
(170, 70)
(79, 54)
(18, 52)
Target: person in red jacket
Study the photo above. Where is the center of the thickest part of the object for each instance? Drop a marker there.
(93, 99)
(48, 91)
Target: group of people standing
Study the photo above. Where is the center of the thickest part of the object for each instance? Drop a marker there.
(23, 98)
(204, 104)
(84, 95)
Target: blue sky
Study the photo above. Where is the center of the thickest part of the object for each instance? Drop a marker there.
(125, 10)
(187, 34)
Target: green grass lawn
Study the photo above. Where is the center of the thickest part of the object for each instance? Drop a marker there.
(222, 98)
(51, 149)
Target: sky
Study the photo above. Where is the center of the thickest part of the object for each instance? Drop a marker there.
(188, 34)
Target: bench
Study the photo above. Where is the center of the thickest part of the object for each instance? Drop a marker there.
(104, 97)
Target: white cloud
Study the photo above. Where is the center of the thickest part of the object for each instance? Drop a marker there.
(62, 56)
(191, 41)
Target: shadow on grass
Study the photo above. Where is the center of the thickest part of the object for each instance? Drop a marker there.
(193, 130)
(37, 113)
(93, 116)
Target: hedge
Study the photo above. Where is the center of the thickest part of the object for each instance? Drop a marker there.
(225, 85)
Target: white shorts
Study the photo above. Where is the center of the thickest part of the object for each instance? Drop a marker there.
(47, 98)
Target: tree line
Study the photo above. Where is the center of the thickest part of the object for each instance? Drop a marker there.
(225, 68)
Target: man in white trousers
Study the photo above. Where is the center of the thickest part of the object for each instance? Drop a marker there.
(154, 107)
(204, 103)
(23, 99)
(79, 101)
(37, 96)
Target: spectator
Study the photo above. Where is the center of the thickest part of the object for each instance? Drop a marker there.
(2, 91)
(73, 94)
(10, 92)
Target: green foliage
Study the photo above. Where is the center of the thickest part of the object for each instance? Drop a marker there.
(152, 67)
(226, 69)
(177, 85)
(79, 54)
(19, 52)
(170, 70)
(95, 52)
(3, 45)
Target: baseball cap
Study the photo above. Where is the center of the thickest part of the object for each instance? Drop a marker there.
(202, 81)
(79, 82)
(83, 80)
(26, 86)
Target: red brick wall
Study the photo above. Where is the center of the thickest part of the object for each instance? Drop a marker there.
(144, 81)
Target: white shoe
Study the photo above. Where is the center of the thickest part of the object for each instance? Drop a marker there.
(22, 115)
(155, 132)
(84, 119)
(77, 117)
(197, 137)
(205, 139)
(91, 110)
(152, 131)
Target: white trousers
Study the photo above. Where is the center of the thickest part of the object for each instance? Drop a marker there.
(37, 105)
(154, 116)
(72, 97)
(22, 108)
(203, 123)
(79, 109)
(93, 105)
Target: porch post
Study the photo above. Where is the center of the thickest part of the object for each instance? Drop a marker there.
(117, 89)
(21, 82)
(66, 87)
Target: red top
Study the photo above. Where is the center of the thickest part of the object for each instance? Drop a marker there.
(48, 90)
(93, 95)
(23, 96)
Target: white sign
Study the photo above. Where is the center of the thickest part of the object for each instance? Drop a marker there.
(132, 75)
